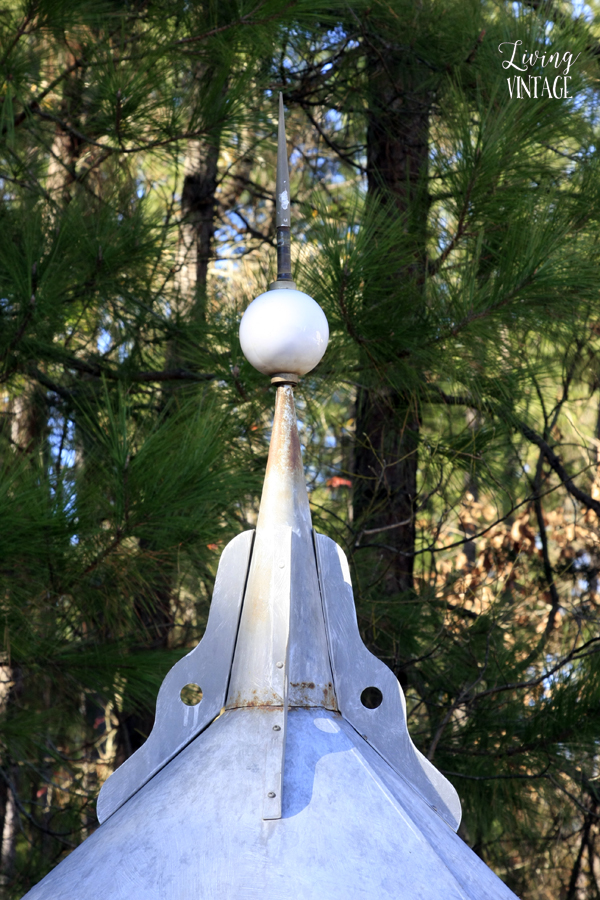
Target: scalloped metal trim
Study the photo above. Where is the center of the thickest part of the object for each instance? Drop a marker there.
(354, 669)
(207, 665)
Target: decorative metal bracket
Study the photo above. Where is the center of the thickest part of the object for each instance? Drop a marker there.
(208, 665)
(355, 669)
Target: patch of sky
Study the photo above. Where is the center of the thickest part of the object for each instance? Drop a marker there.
(104, 341)
(583, 561)
(583, 10)
(330, 440)
(61, 440)
(334, 118)
(334, 35)
(124, 350)
(582, 99)
(561, 676)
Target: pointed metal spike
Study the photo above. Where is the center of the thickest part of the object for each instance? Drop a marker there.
(282, 189)
(283, 209)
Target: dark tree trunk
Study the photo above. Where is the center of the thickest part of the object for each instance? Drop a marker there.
(198, 210)
(198, 213)
(387, 419)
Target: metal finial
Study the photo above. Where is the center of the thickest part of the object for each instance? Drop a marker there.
(283, 209)
(283, 175)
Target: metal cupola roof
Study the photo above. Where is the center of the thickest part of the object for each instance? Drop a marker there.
(281, 784)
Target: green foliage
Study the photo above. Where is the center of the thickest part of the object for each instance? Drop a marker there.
(462, 294)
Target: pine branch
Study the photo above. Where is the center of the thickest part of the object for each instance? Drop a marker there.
(558, 468)
(534, 438)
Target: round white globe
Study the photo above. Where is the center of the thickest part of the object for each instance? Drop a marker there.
(284, 331)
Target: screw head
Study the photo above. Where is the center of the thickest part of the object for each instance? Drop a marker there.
(279, 665)
(282, 564)
(271, 794)
(276, 727)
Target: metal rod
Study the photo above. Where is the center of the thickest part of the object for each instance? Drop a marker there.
(282, 203)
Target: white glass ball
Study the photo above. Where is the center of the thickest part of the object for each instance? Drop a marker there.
(284, 331)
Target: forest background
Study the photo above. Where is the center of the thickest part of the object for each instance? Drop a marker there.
(451, 434)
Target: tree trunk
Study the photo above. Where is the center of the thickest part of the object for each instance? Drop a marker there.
(198, 209)
(198, 223)
(387, 419)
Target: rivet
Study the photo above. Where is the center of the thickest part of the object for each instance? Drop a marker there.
(279, 665)
(281, 564)
(271, 794)
(276, 727)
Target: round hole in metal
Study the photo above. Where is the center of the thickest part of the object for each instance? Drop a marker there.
(191, 694)
(371, 697)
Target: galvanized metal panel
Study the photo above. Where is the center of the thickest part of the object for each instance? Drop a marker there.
(356, 669)
(278, 566)
(259, 671)
(275, 740)
(208, 665)
(310, 674)
(351, 829)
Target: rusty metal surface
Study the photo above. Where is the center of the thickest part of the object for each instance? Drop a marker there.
(208, 665)
(351, 829)
(355, 669)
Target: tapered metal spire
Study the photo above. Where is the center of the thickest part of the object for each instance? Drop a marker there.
(283, 208)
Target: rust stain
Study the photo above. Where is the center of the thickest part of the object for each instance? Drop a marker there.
(254, 699)
(307, 694)
(329, 698)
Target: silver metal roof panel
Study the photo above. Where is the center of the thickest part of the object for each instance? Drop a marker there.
(350, 827)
